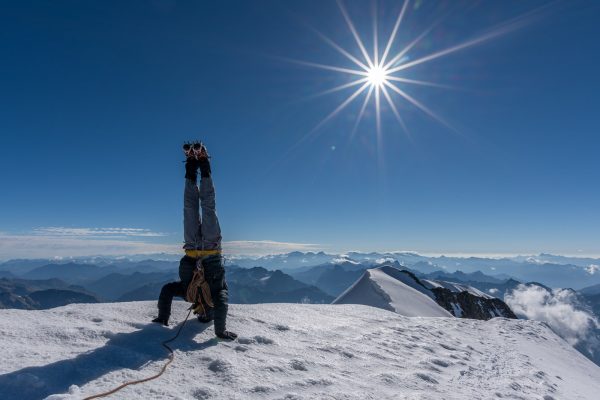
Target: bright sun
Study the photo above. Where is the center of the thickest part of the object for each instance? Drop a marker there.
(380, 74)
(377, 76)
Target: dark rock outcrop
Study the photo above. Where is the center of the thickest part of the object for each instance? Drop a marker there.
(467, 305)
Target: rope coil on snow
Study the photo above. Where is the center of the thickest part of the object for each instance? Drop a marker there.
(165, 344)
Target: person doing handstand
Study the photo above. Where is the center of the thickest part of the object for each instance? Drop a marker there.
(201, 271)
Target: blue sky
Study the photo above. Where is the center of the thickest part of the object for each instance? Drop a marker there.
(98, 96)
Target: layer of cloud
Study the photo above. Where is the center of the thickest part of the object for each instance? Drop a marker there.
(266, 247)
(592, 269)
(96, 232)
(53, 242)
(562, 311)
(39, 246)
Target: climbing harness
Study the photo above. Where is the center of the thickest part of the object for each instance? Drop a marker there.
(165, 344)
(198, 291)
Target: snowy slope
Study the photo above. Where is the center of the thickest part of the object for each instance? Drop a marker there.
(287, 351)
(298, 351)
(389, 289)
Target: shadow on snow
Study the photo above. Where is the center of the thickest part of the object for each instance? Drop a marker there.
(123, 351)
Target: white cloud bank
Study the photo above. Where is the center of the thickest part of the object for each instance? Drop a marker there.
(265, 247)
(96, 232)
(54, 242)
(561, 310)
(592, 269)
(35, 246)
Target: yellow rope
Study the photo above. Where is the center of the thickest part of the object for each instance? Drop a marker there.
(162, 371)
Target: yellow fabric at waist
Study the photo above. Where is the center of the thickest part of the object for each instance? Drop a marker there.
(201, 253)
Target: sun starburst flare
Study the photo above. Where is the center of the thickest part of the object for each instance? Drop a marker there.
(376, 75)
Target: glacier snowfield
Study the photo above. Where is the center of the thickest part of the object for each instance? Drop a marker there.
(286, 351)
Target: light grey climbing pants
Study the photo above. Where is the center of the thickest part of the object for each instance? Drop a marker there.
(205, 233)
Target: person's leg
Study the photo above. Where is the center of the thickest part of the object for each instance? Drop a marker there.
(211, 231)
(165, 299)
(191, 202)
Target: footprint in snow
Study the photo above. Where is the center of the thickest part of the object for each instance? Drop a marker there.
(539, 374)
(389, 378)
(428, 349)
(219, 366)
(314, 382)
(346, 354)
(274, 368)
(447, 347)
(201, 394)
(256, 339)
(261, 389)
(441, 363)
(241, 349)
(263, 340)
(292, 396)
(281, 328)
(298, 365)
(431, 368)
(515, 386)
(426, 377)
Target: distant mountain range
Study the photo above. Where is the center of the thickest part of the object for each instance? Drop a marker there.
(41, 294)
(297, 276)
(134, 281)
(259, 285)
(116, 286)
(550, 270)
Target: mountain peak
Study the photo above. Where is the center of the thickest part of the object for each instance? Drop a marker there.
(395, 290)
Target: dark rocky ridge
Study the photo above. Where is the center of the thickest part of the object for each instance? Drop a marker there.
(464, 304)
(472, 306)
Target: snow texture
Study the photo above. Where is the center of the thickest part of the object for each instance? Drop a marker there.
(286, 351)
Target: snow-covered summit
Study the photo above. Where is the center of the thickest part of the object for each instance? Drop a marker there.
(401, 291)
(286, 351)
(388, 288)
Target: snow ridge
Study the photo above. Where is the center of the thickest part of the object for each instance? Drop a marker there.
(390, 289)
(401, 291)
